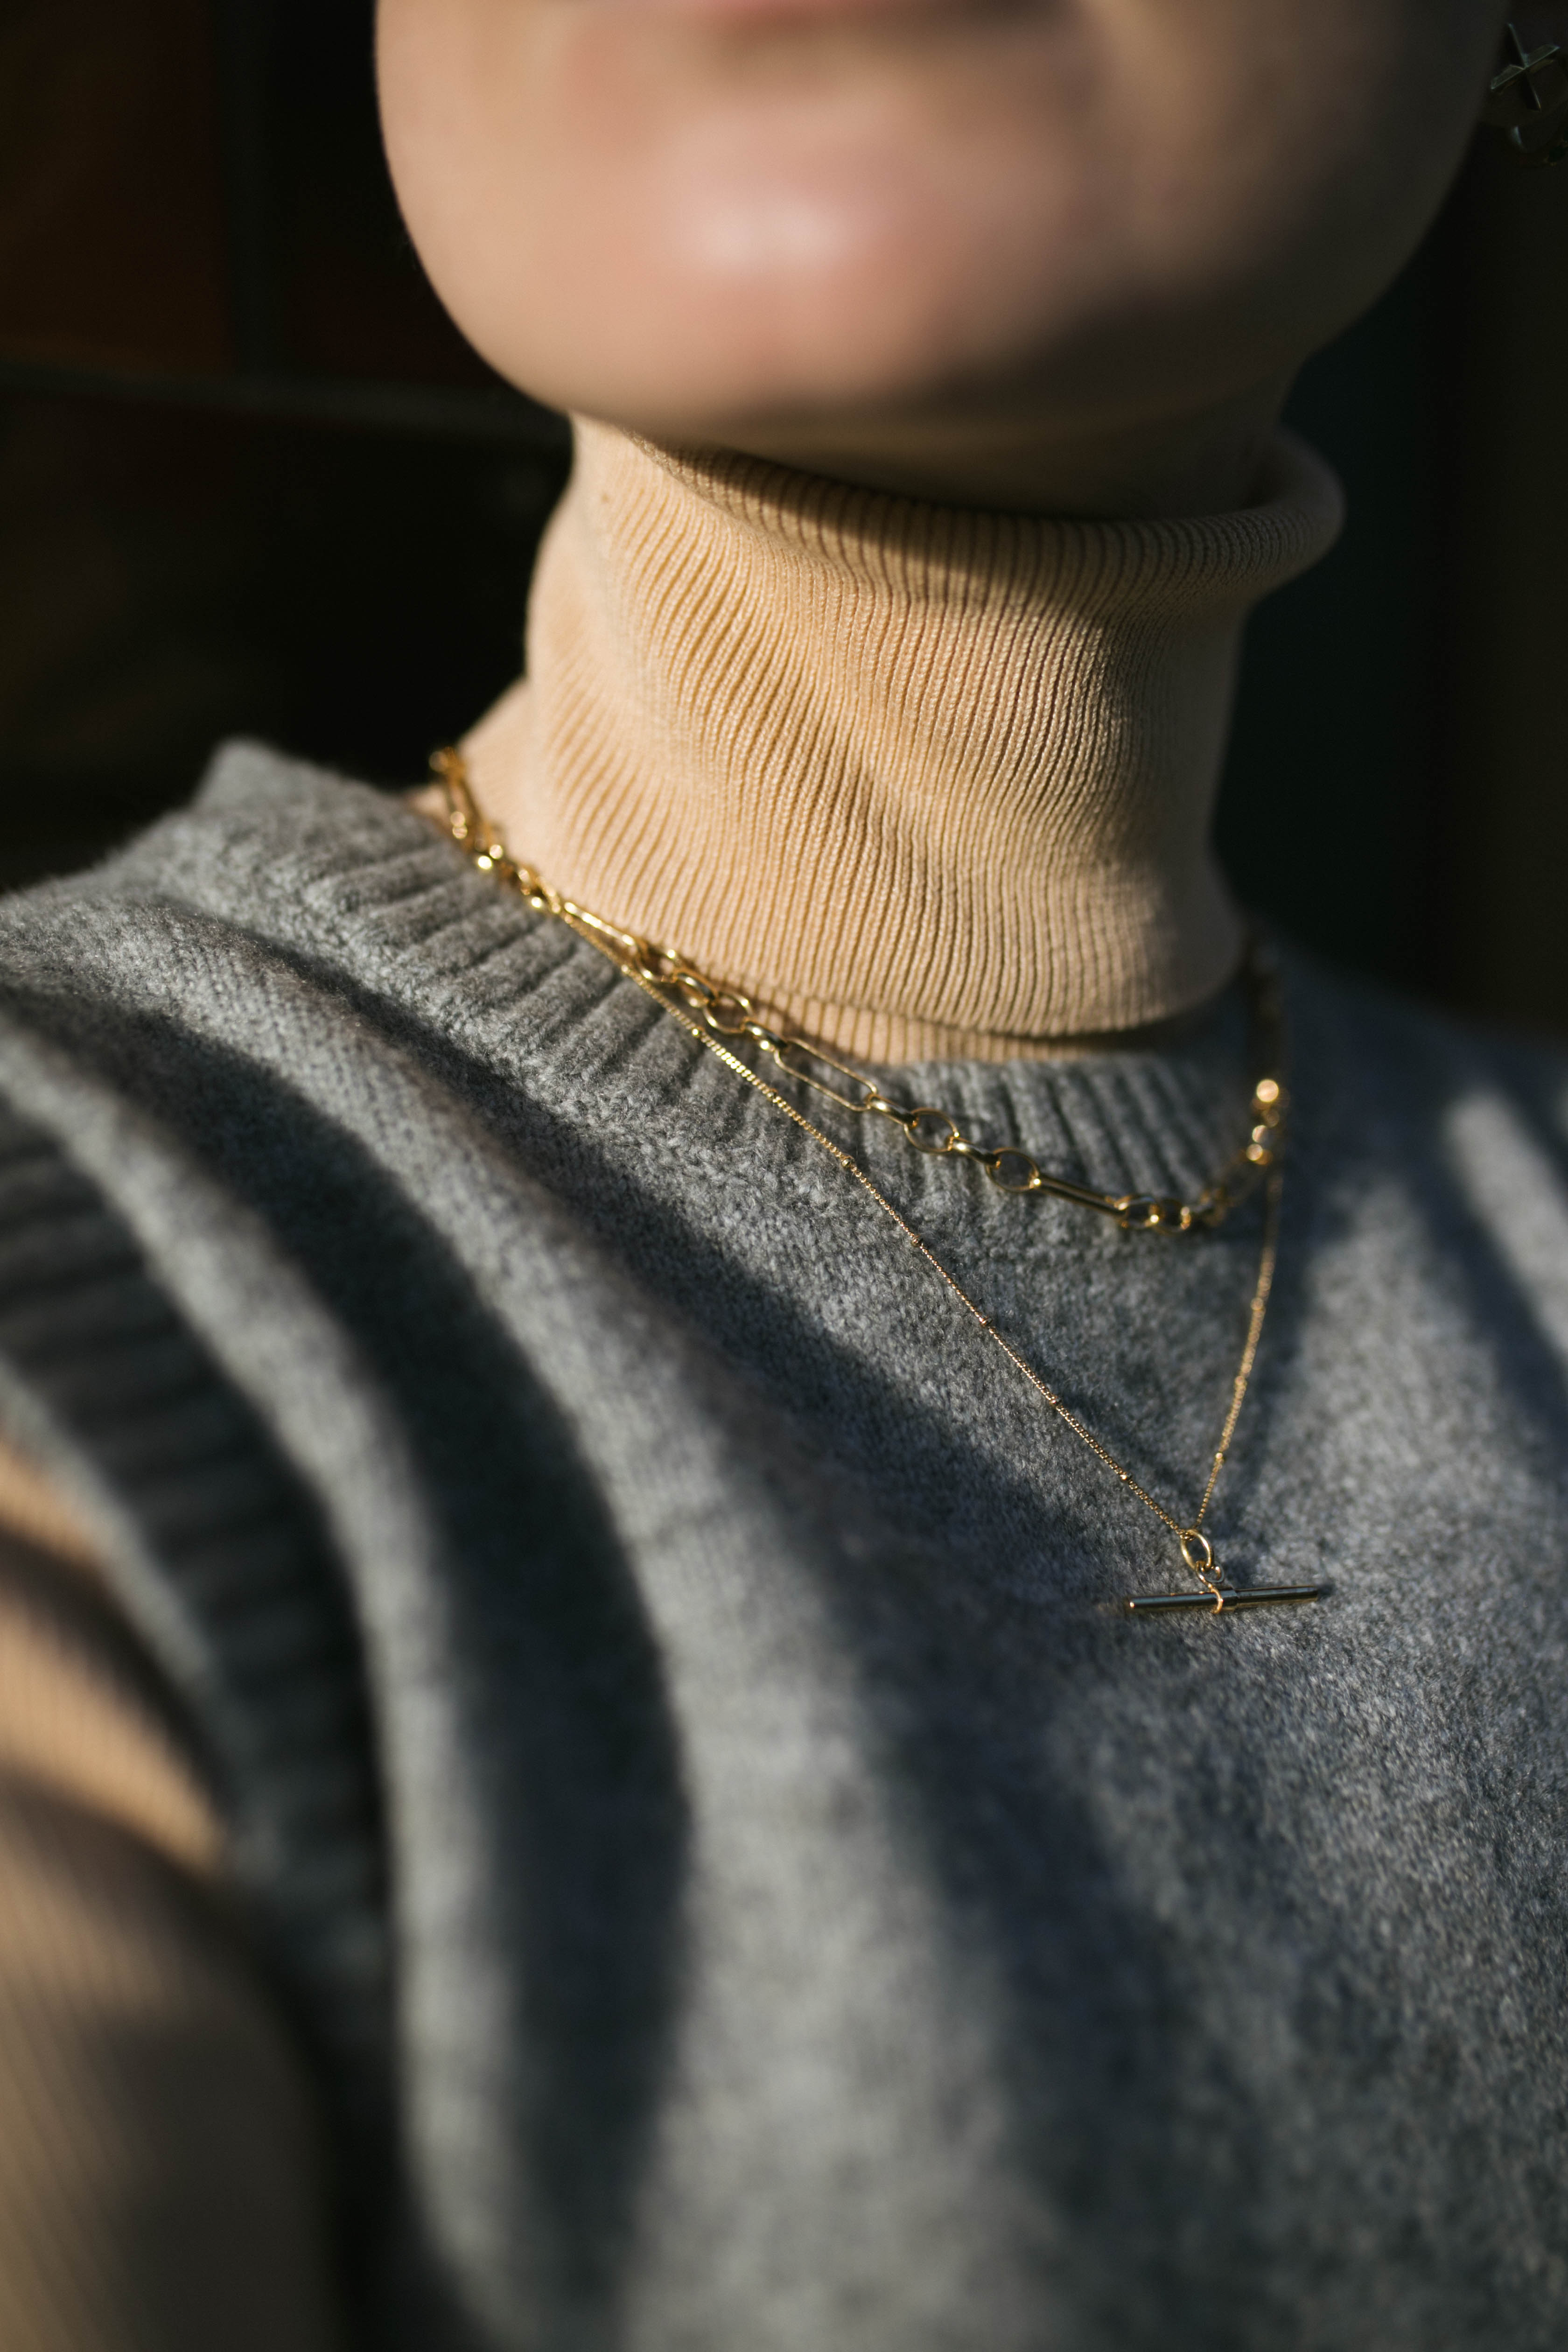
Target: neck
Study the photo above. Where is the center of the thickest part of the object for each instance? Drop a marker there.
(1147, 466)
(924, 782)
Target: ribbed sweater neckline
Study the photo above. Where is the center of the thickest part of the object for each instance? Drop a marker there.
(927, 782)
(360, 888)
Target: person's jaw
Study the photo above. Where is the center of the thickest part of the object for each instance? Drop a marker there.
(1061, 254)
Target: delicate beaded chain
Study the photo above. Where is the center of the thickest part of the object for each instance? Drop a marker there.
(712, 1015)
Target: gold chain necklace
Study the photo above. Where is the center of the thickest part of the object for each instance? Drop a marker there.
(714, 1015)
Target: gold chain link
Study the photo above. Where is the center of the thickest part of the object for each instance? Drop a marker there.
(714, 1015)
(725, 1014)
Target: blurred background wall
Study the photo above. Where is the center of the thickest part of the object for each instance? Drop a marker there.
(252, 481)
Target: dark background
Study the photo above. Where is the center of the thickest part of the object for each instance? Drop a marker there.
(251, 480)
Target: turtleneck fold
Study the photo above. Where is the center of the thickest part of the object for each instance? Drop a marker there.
(926, 781)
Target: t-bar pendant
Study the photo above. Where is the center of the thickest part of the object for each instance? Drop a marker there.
(1215, 1598)
(1222, 1597)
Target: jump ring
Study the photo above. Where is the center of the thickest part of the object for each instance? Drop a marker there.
(1195, 1542)
(996, 1161)
(913, 1129)
(732, 1004)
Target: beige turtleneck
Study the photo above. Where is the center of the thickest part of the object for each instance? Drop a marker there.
(926, 781)
(163, 2168)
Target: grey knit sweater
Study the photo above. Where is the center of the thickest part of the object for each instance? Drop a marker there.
(743, 1883)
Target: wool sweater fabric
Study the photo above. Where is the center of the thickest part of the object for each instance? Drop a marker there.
(738, 1876)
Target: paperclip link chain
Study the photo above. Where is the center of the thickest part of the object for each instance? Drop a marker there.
(725, 1014)
(663, 977)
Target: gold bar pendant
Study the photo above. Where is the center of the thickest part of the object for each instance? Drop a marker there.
(1258, 1596)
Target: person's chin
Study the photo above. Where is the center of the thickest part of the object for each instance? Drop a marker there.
(718, 314)
(799, 375)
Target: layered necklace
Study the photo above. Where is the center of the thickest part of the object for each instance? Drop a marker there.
(721, 1020)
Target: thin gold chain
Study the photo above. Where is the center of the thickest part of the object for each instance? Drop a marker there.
(724, 1014)
(660, 973)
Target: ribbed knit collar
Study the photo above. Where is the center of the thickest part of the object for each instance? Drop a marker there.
(356, 887)
(928, 782)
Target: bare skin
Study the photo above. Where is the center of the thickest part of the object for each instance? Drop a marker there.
(1060, 254)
